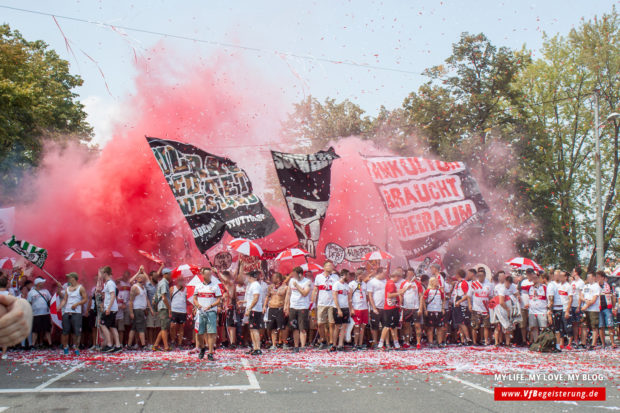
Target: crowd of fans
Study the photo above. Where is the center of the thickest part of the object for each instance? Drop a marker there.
(332, 311)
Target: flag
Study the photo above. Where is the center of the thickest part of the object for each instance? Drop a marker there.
(429, 201)
(32, 253)
(214, 194)
(7, 221)
(56, 311)
(305, 182)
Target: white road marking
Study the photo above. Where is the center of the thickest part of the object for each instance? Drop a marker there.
(60, 376)
(468, 383)
(43, 388)
(3, 409)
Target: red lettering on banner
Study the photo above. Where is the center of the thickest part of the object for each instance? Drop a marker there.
(423, 193)
(421, 223)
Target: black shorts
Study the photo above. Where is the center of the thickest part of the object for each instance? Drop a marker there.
(275, 319)
(434, 319)
(461, 315)
(256, 320)
(560, 323)
(72, 322)
(109, 320)
(41, 324)
(298, 319)
(411, 316)
(391, 318)
(231, 317)
(376, 320)
(90, 322)
(178, 318)
(345, 316)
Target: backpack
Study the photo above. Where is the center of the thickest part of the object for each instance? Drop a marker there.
(545, 343)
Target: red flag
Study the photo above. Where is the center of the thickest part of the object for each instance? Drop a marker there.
(56, 311)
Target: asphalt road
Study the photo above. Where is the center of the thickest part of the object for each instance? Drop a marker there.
(454, 380)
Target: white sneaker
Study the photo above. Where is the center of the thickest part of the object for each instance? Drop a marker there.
(3, 357)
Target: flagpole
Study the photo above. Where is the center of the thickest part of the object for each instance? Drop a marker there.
(50, 275)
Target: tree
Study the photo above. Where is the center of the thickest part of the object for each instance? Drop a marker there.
(37, 104)
(557, 103)
(317, 123)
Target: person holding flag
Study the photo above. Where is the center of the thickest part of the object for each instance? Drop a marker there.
(40, 298)
(73, 299)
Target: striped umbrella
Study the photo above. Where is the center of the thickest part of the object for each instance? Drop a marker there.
(246, 247)
(80, 255)
(185, 271)
(316, 268)
(291, 253)
(522, 263)
(377, 255)
(151, 257)
(7, 263)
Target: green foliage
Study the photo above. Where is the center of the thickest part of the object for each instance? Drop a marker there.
(36, 105)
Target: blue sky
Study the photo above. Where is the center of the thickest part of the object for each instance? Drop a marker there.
(407, 36)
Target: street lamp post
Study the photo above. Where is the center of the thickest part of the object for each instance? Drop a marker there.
(599, 202)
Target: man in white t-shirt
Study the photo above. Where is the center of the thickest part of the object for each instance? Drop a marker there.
(590, 305)
(480, 293)
(297, 307)
(376, 299)
(411, 290)
(359, 303)
(325, 304)
(39, 298)
(110, 307)
(576, 285)
(207, 296)
(342, 303)
(524, 295)
(561, 305)
(254, 310)
(539, 312)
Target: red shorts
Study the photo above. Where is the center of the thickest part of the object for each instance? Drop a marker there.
(360, 317)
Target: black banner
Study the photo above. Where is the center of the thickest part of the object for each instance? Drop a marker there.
(429, 201)
(305, 181)
(214, 194)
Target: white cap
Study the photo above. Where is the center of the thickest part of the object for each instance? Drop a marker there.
(39, 280)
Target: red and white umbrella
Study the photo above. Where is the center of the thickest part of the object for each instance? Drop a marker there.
(7, 263)
(291, 253)
(311, 267)
(378, 255)
(80, 255)
(185, 270)
(616, 272)
(246, 247)
(522, 263)
(151, 257)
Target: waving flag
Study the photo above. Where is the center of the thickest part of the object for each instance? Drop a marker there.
(305, 182)
(32, 253)
(214, 194)
(56, 311)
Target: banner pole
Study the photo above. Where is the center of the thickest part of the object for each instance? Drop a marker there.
(50, 275)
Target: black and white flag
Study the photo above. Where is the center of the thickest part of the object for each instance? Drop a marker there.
(305, 181)
(214, 194)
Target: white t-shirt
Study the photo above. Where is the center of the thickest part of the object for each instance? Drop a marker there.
(564, 291)
(298, 301)
(538, 299)
(461, 289)
(38, 302)
(480, 294)
(207, 294)
(377, 289)
(433, 300)
(108, 289)
(525, 292)
(411, 296)
(553, 290)
(324, 284)
(589, 292)
(178, 300)
(359, 299)
(576, 286)
(342, 289)
(253, 289)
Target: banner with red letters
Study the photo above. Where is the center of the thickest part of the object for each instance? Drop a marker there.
(429, 201)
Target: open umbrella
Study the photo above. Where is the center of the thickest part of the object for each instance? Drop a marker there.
(522, 263)
(316, 268)
(151, 257)
(246, 247)
(378, 255)
(291, 253)
(7, 263)
(185, 271)
(80, 255)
